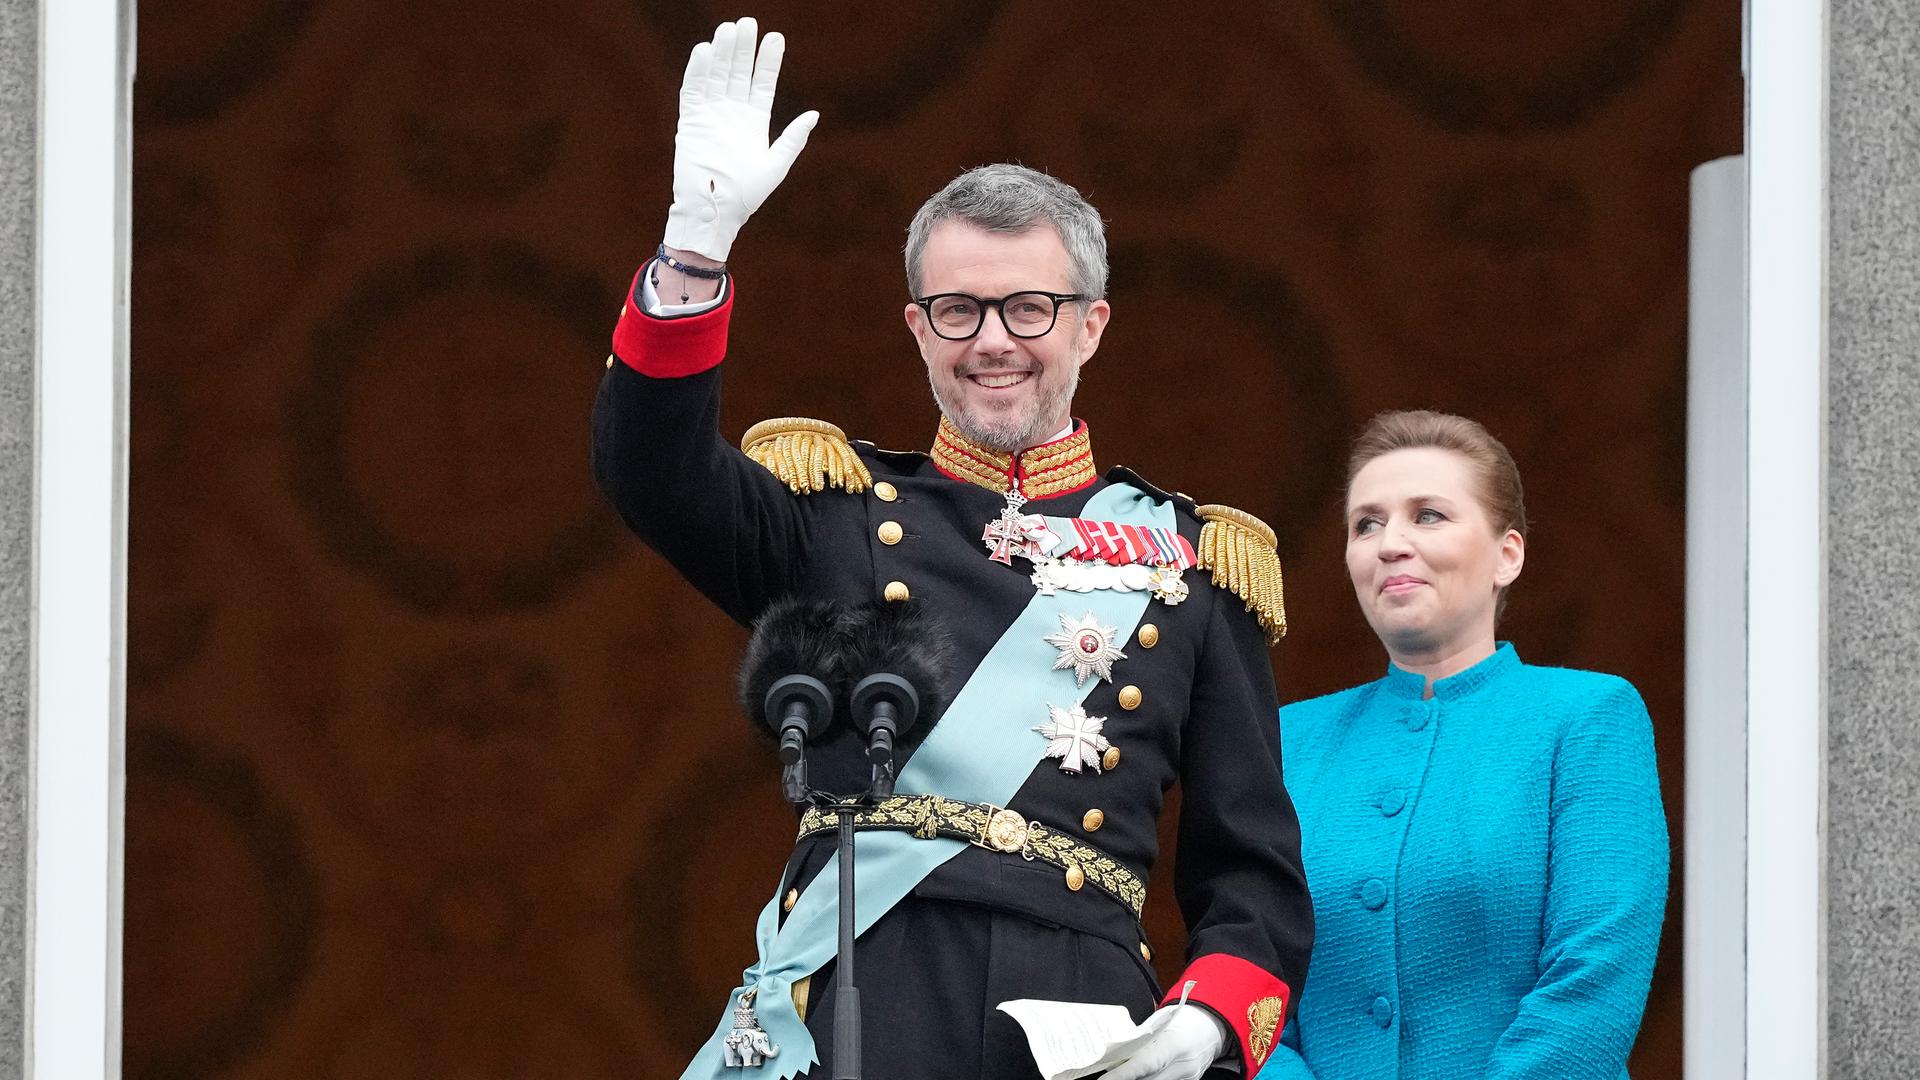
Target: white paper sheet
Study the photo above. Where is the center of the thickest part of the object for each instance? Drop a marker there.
(1071, 1040)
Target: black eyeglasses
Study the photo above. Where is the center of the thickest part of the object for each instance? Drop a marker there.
(958, 316)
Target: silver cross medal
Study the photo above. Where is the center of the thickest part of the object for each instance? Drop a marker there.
(1003, 533)
(1074, 738)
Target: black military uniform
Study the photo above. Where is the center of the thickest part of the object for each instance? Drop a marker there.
(805, 512)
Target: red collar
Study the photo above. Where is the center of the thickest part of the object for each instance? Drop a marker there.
(1044, 471)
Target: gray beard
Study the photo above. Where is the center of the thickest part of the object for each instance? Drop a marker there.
(1015, 433)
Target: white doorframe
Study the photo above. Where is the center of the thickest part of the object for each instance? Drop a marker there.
(1713, 939)
(1785, 985)
(79, 541)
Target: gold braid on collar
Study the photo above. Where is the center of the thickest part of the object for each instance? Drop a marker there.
(807, 455)
(1045, 471)
(1239, 549)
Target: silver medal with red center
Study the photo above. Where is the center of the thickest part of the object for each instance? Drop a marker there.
(1086, 647)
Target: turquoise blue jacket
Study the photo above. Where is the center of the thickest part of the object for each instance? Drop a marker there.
(1489, 872)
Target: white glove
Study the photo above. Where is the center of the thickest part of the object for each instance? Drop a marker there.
(723, 168)
(1192, 1040)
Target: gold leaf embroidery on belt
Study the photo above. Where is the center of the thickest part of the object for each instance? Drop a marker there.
(994, 828)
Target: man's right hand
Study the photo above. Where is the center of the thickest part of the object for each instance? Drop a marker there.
(723, 165)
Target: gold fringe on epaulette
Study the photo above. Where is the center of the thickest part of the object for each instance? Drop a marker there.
(807, 455)
(1238, 549)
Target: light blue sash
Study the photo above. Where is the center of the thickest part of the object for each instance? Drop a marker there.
(982, 750)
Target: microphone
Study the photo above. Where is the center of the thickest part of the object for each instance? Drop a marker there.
(801, 703)
(796, 654)
(898, 659)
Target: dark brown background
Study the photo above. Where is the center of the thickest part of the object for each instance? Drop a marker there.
(434, 773)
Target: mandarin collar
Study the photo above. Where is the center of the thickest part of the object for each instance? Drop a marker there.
(1412, 685)
(1052, 468)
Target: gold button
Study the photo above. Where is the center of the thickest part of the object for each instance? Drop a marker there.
(891, 532)
(1149, 635)
(896, 592)
(885, 492)
(1111, 759)
(1076, 878)
(1093, 820)
(1129, 698)
(1146, 953)
(793, 897)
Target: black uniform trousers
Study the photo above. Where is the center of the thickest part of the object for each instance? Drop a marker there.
(930, 973)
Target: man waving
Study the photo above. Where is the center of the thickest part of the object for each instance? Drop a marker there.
(1111, 638)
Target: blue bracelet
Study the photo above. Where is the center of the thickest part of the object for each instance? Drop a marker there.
(714, 274)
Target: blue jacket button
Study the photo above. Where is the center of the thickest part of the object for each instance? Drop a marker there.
(1383, 1012)
(1374, 894)
(1392, 802)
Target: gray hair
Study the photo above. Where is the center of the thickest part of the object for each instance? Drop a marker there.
(1013, 199)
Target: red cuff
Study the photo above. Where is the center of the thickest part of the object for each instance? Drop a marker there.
(672, 348)
(1246, 996)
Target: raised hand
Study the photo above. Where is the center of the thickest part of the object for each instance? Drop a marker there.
(723, 165)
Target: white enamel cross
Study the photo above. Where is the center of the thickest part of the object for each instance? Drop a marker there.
(1074, 738)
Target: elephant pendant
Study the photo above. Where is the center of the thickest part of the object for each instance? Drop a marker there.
(747, 1046)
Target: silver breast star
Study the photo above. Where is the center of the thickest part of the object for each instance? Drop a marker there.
(1086, 647)
(1074, 738)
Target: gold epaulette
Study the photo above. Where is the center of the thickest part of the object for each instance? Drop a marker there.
(807, 455)
(1239, 550)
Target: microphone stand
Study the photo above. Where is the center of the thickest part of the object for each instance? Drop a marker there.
(893, 703)
(846, 994)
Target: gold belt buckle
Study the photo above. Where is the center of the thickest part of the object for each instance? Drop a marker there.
(1005, 831)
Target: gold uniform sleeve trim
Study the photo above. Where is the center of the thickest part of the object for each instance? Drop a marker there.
(1263, 1026)
(1238, 549)
(807, 455)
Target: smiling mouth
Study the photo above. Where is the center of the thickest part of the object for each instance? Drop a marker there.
(999, 380)
(1401, 584)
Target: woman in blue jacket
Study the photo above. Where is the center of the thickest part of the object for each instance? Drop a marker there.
(1483, 838)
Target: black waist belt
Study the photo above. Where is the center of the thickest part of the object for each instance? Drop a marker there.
(996, 829)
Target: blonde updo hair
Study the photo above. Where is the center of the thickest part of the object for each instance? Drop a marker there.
(1500, 494)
